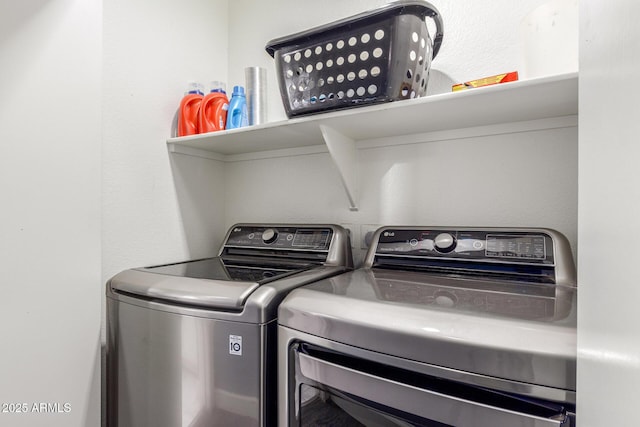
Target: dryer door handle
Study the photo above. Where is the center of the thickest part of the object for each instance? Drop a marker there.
(425, 403)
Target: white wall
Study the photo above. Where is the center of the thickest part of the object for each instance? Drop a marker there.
(608, 315)
(156, 207)
(521, 179)
(526, 179)
(50, 216)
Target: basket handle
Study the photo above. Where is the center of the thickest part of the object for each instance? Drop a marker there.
(433, 13)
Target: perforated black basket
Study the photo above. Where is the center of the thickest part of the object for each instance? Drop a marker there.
(377, 56)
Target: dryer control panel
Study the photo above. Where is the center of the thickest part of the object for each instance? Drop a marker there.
(537, 255)
(497, 245)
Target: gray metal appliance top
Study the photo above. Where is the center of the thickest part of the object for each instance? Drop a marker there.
(256, 266)
(494, 302)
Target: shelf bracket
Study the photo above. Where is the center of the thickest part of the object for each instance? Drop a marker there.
(344, 154)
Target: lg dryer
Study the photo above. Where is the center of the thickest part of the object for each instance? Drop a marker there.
(462, 327)
(194, 343)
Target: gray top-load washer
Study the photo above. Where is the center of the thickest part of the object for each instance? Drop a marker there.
(194, 343)
(464, 327)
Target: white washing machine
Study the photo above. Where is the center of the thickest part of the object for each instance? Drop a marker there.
(462, 327)
(194, 343)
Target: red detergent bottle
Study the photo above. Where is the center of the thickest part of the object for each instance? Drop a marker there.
(189, 110)
(213, 111)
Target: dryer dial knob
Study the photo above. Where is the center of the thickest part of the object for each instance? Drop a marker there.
(444, 243)
(269, 235)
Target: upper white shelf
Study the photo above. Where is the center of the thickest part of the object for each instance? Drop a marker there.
(524, 100)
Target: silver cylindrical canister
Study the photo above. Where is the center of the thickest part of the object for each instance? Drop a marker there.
(256, 80)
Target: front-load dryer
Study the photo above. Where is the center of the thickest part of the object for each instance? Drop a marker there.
(442, 327)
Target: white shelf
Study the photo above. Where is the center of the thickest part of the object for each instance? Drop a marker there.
(339, 131)
(504, 103)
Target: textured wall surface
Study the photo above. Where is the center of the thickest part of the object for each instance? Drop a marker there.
(50, 216)
(608, 316)
(157, 208)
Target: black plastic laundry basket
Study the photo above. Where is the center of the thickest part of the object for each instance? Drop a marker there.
(377, 56)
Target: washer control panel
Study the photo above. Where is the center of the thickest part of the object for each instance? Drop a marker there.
(283, 238)
(528, 247)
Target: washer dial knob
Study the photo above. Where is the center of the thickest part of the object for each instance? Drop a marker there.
(269, 235)
(444, 243)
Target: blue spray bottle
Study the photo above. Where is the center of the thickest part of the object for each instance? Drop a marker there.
(237, 115)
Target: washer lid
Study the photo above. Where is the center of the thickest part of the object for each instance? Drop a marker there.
(210, 282)
(228, 269)
(519, 332)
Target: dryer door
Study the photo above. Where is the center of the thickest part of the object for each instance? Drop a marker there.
(356, 392)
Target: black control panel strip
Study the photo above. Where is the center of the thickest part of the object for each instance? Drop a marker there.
(280, 238)
(532, 248)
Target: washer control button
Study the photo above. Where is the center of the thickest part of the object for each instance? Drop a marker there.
(444, 243)
(269, 235)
